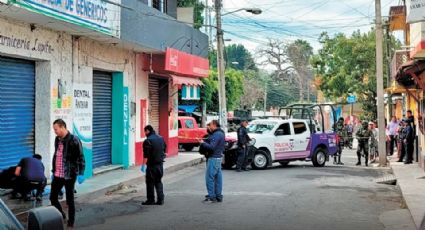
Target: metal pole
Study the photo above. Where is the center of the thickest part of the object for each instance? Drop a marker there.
(220, 68)
(380, 85)
(265, 98)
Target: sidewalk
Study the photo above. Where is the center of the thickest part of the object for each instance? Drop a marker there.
(98, 185)
(411, 180)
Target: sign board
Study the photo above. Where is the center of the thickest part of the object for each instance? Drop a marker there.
(126, 104)
(415, 11)
(351, 99)
(185, 64)
(97, 15)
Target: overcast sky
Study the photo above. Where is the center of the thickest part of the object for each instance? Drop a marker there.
(297, 19)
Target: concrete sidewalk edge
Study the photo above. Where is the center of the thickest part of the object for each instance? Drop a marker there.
(409, 196)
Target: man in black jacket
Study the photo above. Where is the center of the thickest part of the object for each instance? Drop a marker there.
(154, 154)
(68, 166)
(243, 140)
(409, 138)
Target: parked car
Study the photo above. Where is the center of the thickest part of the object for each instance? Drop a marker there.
(44, 218)
(190, 133)
(285, 140)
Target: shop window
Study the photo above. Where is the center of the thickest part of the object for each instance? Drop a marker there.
(191, 92)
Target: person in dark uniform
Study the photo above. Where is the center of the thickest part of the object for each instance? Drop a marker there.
(341, 133)
(30, 175)
(154, 154)
(243, 140)
(363, 135)
(408, 140)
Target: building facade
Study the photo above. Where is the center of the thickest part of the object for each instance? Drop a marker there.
(92, 64)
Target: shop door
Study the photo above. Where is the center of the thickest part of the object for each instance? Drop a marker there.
(102, 118)
(17, 110)
(154, 103)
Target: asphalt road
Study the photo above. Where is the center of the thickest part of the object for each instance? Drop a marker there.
(298, 196)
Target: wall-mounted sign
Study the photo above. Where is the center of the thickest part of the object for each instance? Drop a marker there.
(25, 44)
(92, 14)
(185, 64)
(415, 11)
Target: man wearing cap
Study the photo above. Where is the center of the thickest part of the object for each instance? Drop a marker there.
(363, 135)
(408, 139)
(243, 140)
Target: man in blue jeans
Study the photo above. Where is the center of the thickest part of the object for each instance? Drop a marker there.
(213, 176)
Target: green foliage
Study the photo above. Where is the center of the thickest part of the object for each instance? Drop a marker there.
(197, 11)
(234, 89)
(235, 53)
(346, 65)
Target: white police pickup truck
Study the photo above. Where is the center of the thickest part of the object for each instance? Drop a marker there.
(286, 140)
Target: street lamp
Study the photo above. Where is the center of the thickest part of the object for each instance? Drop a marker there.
(220, 61)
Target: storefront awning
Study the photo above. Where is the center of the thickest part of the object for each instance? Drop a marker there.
(188, 108)
(179, 80)
(409, 74)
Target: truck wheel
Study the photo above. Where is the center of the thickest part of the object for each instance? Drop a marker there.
(284, 163)
(260, 160)
(319, 157)
(188, 147)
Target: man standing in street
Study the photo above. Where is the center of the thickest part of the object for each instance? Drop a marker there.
(341, 134)
(30, 175)
(68, 166)
(154, 154)
(363, 135)
(213, 176)
(392, 130)
(243, 140)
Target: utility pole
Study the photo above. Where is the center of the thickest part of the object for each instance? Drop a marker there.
(220, 68)
(265, 98)
(380, 85)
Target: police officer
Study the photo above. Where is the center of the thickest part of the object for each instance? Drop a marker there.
(340, 131)
(363, 135)
(408, 140)
(154, 155)
(243, 140)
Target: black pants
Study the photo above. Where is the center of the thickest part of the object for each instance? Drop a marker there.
(363, 147)
(391, 145)
(409, 151)
(24, 186)
(57, 185)
(242, 158)
(154, 175)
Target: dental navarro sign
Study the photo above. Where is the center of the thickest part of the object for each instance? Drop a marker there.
(92, 14)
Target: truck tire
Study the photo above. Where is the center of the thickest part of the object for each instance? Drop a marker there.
(319, 157)
(260, 161)
(188, 147)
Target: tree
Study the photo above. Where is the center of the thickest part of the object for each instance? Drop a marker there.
(232, 54)
(234, 89)
(346, 65)
(253, 95)
(291, 62)
(198, 8)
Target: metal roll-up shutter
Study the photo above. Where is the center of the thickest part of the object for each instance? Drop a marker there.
(17, 110)
(102, 119)
(154, 103)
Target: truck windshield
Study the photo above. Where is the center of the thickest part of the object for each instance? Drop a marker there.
(261, 127)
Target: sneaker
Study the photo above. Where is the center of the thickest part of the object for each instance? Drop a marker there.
(340, 163)
(358, 163)
(148, 202)
(160, 202)
(407, 162)
(209, 200)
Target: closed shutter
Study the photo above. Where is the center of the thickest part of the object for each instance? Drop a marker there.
(154, 103)
(17, 110)
(102, 119)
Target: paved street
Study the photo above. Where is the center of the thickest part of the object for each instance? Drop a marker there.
(298, 196)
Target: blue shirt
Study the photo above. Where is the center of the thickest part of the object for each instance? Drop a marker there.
(32, 169)
(215, 143)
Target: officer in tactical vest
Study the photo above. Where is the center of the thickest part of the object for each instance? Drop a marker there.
(363, 135)
(341, 133)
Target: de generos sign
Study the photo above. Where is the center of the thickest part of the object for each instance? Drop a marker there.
(92, 14)
(415, 11)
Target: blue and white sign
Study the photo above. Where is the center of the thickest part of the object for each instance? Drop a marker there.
(92, 14)
(352, 99)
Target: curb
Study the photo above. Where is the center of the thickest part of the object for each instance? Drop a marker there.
(22, 216)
